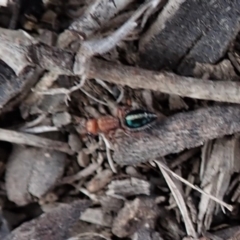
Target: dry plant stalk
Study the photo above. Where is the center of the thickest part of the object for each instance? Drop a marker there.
(32, 140)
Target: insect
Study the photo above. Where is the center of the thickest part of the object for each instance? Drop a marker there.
(126, 119)
(138, 119)
(104, 124)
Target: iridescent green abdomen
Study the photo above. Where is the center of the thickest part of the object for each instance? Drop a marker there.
(139, 118)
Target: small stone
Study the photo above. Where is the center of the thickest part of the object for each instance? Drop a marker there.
(83, 159)
(75, 142)
(26, 178)
(61, 119)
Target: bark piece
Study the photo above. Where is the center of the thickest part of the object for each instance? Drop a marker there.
(32, 171)
(176, 133)
(12, 88)
(187, 32)
(50, 226)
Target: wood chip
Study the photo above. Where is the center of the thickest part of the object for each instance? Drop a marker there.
(97, 216)
(129, 187)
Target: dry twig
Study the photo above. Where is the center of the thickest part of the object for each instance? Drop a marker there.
(32, 140)
(28, 51)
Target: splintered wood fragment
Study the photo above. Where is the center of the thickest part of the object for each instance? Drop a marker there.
(176, 133)
(225, 157)
(32, 140)
(177, 192)
(129, 187)
(53, 225)
(228, 206)
(223, 161)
